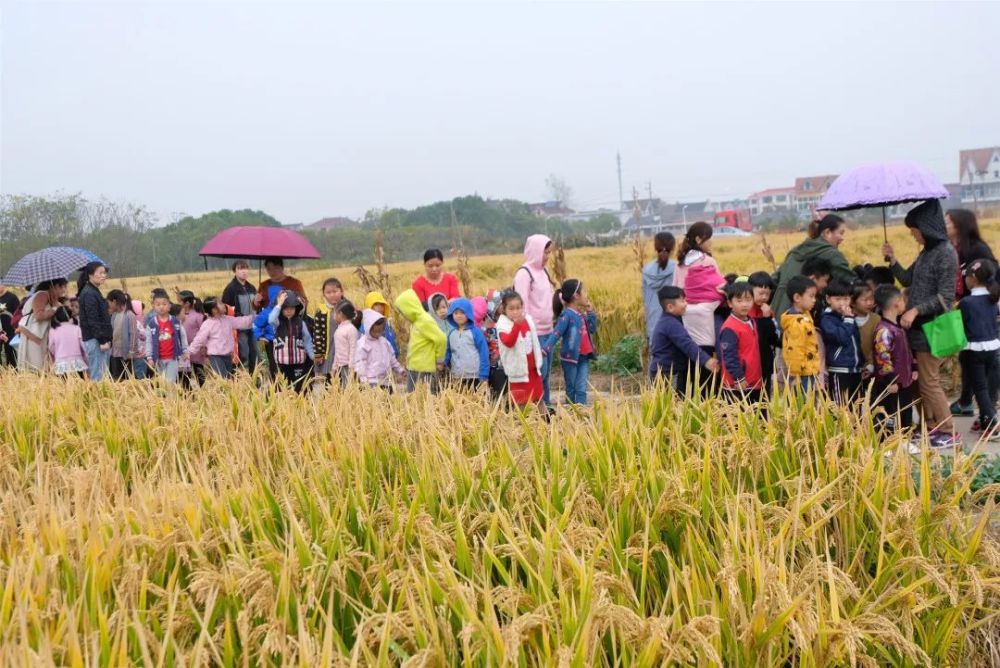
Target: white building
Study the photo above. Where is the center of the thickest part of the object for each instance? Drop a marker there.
(979, 175)
(772, 199)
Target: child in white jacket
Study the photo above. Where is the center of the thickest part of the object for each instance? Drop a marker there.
(520, 351)
(374, 358)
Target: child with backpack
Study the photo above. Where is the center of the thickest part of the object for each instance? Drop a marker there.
(374, 358)
(66, 345)
(520, 351)
(576, 325)
(292, 346)
(345, 341)
(979, 359)
(217, 336)
(467, 356)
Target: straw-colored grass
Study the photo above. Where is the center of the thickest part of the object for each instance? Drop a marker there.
(232, 527)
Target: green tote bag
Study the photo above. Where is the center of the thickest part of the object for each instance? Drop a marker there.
(946, 333)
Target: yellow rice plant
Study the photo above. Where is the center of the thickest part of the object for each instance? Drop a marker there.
(143, 526)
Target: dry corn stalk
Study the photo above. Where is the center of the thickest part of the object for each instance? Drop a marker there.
(559, 261)
(464, 270)
(765, 247)
(639, 249)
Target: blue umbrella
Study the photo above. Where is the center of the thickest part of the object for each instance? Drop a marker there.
(48, 264)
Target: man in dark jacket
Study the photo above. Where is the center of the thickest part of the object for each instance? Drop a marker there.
(931, 282)
(671, 349)
(239, 294)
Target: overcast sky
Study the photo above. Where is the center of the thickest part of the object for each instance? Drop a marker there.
(307, 110)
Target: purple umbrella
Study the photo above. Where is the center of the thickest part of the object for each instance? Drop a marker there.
(882, 184)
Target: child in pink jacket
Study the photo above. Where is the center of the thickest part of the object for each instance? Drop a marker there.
(374, 358)
(216, 336)
(345, 341)
(698, 275)
(66, 345)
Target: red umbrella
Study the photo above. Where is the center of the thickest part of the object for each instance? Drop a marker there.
(259, 243)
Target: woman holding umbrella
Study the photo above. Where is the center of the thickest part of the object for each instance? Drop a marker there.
(36, 318)
(95, 321)
(931, 283)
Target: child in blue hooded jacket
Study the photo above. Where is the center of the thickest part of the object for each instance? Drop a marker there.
(576, 326)
(467, 355)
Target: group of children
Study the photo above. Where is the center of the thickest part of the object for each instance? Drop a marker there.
(849, 335)
(463, 342)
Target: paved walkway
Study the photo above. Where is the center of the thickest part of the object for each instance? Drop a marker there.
(962, 424)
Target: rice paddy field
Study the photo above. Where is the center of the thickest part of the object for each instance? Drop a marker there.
(237, 527)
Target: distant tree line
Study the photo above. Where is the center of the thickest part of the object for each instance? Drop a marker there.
(127, 237)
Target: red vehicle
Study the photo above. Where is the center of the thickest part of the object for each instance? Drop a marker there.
(736, 218)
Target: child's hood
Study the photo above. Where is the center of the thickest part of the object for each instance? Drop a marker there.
(370, 318)
(373, 298)
(465, 306)
(433, 311)
(479, 308)
(292, 300)
(534, 251)
(408, 303)
(692, 257)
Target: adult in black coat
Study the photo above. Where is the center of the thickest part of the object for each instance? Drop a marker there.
(963, 232)
(95, 321)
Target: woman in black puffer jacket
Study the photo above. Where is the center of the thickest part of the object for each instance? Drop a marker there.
(931, 283)
(95, 321)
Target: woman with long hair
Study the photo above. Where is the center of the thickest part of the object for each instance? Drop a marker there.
(95, 321)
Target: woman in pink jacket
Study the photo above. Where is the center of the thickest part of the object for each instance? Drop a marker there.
(216, 336)
(533, 283)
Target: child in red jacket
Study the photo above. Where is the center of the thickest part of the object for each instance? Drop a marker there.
(739, 348)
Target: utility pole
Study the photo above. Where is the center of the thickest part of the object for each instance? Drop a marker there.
(649, 203)
(621, 194)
